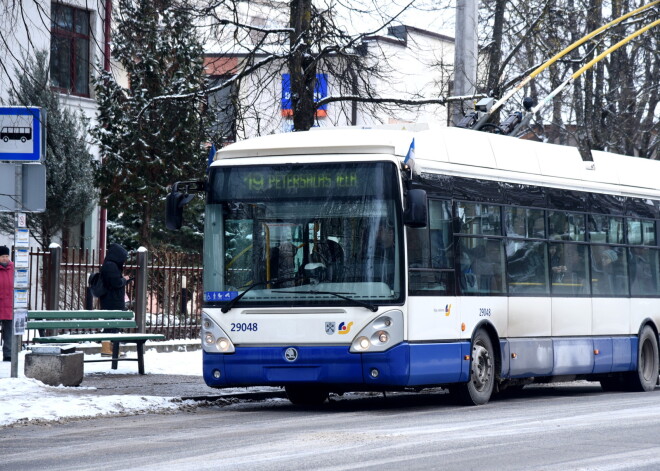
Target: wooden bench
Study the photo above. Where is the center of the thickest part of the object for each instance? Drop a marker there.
(92, 320)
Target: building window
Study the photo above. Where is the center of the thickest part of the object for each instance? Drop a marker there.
(69, 49)
(223, 104)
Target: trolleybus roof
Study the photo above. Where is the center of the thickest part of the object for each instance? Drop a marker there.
(469, 153)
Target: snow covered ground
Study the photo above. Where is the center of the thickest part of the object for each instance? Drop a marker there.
(25, 399)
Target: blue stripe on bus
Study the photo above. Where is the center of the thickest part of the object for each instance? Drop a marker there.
(251, 366)
(418, 364)
(568, 356)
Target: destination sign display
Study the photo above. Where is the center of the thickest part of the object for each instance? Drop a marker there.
(300, 181)
(287, 181)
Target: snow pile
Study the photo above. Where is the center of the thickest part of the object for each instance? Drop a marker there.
(25, 400)
(28, 400)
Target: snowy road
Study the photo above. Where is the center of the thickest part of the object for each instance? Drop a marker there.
(556, 428)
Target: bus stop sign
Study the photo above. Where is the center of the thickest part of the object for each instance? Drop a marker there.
(21, 137)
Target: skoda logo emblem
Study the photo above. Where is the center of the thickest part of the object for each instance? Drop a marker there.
(291, 354)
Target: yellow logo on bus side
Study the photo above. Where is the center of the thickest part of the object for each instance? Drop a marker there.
(344, 329)
(447, 310)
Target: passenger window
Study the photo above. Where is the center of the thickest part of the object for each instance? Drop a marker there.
(477, 218)
(634, 231)
(641, 232)
(431, 253)
(524, 222)
(609, 270)
(481, 266)
(442, 249)
(649, 233)
(566, 226)
(644, 271)
(527, 269)
(569, 269)
(606, 229)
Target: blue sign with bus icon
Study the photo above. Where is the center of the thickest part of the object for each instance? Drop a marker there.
(20, 134)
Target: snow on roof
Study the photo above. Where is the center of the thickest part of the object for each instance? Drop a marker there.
(326, 141)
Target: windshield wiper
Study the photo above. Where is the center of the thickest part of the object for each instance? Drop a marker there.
(231, 303)
(371, 307)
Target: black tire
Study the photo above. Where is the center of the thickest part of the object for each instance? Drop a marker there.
(304, 395)
(479, 388)
(646, 376)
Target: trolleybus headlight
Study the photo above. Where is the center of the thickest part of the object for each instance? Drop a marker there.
(214, 339)
(223, 344)
(381, 334)
(363, 343)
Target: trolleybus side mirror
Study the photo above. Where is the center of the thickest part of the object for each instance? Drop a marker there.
(176, 200)
(174, 209)
(415, 214)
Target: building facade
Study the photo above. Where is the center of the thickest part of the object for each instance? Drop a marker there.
(415, 65)
(75, 35)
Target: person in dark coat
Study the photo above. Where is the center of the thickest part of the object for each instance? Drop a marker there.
(6, 301)
(114, 279)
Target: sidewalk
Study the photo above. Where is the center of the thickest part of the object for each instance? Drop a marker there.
(173, 380)
(173, 369)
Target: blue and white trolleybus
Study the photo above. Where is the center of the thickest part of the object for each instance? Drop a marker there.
(335, 262)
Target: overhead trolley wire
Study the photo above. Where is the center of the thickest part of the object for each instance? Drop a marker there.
(483, 120)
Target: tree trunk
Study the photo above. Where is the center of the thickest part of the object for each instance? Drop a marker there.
(302, 68)
(493, 82)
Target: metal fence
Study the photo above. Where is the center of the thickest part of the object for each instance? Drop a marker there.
(174, 287)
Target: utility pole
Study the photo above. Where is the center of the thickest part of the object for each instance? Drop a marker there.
(465, 54)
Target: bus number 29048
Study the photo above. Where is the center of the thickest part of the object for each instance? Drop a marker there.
(244, 326)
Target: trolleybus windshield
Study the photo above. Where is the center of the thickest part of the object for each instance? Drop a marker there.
(322, 234)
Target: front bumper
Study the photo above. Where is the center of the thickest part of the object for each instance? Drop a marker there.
(405, 365)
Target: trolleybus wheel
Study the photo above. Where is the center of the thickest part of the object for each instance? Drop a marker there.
(646, 375)
(301, 395)
(479, 387)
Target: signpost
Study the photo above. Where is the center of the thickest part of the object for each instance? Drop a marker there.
(22, 149)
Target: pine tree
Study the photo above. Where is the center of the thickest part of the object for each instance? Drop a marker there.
(146, 142)
(70, 194)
